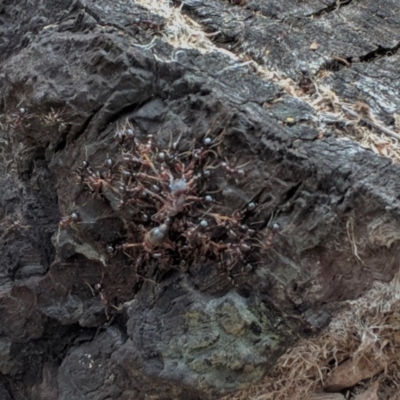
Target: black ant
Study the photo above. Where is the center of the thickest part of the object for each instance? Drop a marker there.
(305, 83)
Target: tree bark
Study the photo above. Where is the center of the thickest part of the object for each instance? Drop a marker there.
(322, 214)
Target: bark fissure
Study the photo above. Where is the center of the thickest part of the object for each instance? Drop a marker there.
(331, 8)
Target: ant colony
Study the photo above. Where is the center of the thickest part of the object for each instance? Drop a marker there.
(171, 199)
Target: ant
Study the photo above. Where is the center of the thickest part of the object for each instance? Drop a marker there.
(97, 181)
(13, 226)
(19, 117)
(268, 239)
(228, 221)
(237, 172)
(66, 222)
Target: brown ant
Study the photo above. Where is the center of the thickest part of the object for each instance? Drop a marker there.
(268, 240)
(237, 172)
(19, 117)
(154, 238)
(228, 221)
(95, 182)
(236, 252)
(13, 226)
(67, 221)
(98, 182)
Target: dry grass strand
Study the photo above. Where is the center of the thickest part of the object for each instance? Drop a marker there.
(368, 328)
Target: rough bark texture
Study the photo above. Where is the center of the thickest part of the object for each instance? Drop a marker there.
(77, 323)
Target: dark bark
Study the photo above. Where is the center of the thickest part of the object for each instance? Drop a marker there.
(78, 323)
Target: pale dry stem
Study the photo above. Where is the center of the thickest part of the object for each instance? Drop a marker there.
(180, 30)
(351, 236)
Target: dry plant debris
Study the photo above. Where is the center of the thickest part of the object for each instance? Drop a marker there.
(349, 121)
(354, 121)
(180, 30)
(366, 331)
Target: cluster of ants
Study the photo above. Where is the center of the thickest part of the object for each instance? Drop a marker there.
(172, 203)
